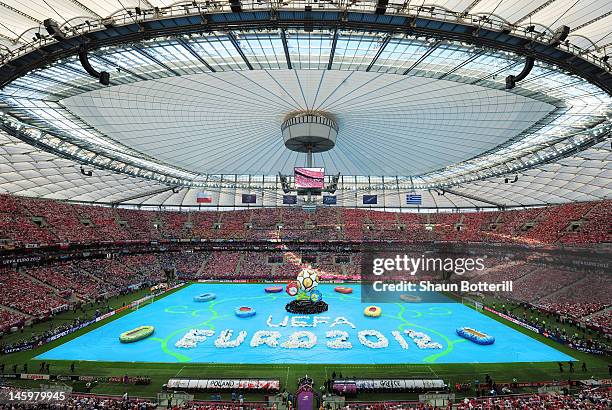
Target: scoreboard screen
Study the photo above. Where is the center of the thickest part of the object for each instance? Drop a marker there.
(309, 178)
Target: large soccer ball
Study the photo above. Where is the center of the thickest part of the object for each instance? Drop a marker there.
(307, 279)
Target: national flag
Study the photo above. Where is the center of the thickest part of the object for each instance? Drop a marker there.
(204, 198)
(414, 199)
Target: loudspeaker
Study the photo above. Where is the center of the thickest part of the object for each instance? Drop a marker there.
(236, 6)
(104, 78)
(53, 29)
(560, 35)
(381, 6)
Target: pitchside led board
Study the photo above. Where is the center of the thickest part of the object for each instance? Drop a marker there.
(307, 178)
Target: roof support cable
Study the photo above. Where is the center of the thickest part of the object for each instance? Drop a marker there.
(286, 47)
(333, 50)
(379, 52)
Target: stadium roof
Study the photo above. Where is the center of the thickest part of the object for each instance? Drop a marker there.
(198, 93)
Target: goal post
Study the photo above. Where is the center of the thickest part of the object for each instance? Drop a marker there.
(137, 304)
(472, 302)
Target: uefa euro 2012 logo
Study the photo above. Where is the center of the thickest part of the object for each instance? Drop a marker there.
(304, 287)
(308, 300)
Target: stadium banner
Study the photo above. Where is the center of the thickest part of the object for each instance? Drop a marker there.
(590, 351)
(122, 308)
(105, 316)
(249, 198)
(203, 197)
(29, 346)
(414, 199)
(345, 387)
(513, 320)
(224, 384)
(20, 348)
(21, 260)
(289, 199)
(68, 331)
(329, 200)
(32, 376)
(60, 308)
(390, 384)
(370, 199)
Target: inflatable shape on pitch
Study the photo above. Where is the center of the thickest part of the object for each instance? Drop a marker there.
(342, 289)
(274, 289)
(475, 336)
(204, 297)
(245, 311)
(372, 311)
(137, 334)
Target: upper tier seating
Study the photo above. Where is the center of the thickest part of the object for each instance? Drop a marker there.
(26, 221)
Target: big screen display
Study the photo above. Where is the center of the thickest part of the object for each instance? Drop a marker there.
(309, 177)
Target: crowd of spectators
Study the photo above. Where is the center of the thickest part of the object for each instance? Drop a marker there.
(529, 287)
(147, 267)
(66, 276)
(222, 264)
(23, 294)
(115, 274)
(586, 399)
(26, 220)
(76, 401)
(188, 265)
(9, 320)
(594, 227)
(557, 326)
(141, 224)
(592, 288)
(254, 265)
(575, 310)
(63, 221)
(601, 320)
(17, 225)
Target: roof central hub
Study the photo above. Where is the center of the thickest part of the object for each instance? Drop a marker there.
(309, 131)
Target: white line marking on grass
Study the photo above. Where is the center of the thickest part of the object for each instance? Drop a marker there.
(432, 370)
(179, 372)
(287, 378)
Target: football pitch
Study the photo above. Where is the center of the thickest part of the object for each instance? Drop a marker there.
(405, 333)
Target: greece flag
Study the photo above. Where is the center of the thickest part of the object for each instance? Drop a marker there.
(413, 199)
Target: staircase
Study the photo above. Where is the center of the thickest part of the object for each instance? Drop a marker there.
(202, 267)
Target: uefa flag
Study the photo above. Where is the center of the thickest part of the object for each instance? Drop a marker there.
(370, 199)
(204, 198)
(329, 200)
